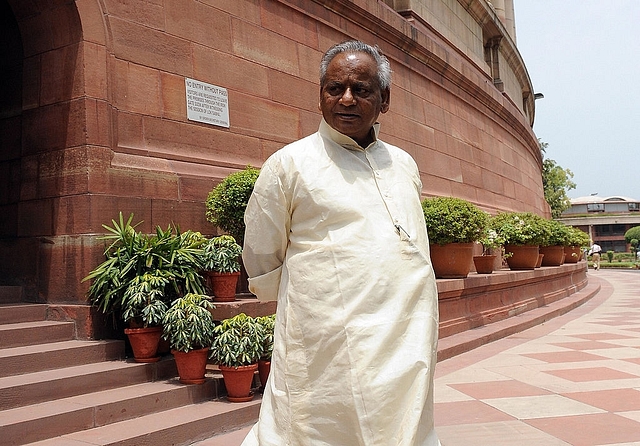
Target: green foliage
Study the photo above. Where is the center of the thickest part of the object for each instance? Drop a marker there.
(227, 202)
(221, 254)
(238, 341)
(556, 181)
(490, 240)
(144, 299)
(453, 220)
(188, 324)
(268, 326)
(160, 266)
(520, 228)
(631, 234)
(557, 234)
(610, 256)
(577, 237)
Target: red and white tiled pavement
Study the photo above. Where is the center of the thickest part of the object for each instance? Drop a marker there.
(573, 380)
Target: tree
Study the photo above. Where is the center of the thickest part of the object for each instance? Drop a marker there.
(632, 234)
(556, 181)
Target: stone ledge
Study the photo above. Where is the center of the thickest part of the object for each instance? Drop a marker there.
(462, 342)
(481, 299)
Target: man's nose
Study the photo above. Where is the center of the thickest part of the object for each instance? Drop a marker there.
(347, 97)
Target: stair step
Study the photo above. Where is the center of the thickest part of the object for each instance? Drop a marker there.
(179, 426)
(38, 387)
(35, 332)
(56, 355)
(14, 313)
(231, 438)
(67, 415)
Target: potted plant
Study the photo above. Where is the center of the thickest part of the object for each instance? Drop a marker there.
(453, 226)
(552, 247)
(143, 308)
(188, 325)
(142, 274)
(522, 233)
(221, 267)
(576, 240)
(264, 363)
(491, 242)
(236, 349)
(226, 203)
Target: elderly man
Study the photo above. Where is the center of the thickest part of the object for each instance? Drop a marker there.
(336, 234)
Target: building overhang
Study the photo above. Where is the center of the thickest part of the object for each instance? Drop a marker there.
(632, 219)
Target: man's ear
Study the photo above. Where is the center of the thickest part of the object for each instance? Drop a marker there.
(386, 96)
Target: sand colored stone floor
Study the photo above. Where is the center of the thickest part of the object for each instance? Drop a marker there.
(573, 380)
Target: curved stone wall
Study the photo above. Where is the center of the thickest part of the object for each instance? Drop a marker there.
(104, 127)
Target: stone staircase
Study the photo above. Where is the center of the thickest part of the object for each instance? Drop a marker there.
(56, 390)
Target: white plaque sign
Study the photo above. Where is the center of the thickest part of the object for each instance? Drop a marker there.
(207, 103)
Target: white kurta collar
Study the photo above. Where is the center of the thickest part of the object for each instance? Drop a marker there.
(343, 140)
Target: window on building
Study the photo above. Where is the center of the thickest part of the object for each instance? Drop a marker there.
(634, 207)
(595, 207)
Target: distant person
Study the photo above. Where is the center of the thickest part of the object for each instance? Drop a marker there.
(336, 234)
(594, 252)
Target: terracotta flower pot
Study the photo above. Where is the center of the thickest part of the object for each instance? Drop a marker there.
(553, 255)
(223, 285)
(144, 343)
(522, 257)
(572, 254)
(484, 264)
(264, 368)
(238, 381)
(192, 365)
(452, 261)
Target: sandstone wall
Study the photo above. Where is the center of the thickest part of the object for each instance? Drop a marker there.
(103, 125)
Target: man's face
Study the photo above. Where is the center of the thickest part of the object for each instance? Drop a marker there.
(350, 98)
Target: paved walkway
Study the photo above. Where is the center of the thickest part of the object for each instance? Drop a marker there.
(572, 380)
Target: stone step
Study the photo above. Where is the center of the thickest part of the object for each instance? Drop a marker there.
(67, 415)
(231, 438)
(56, 355)
(35, 332)
(179, 426)
(13, 313)
(49, 385)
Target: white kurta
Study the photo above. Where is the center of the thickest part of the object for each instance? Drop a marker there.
(337, 235)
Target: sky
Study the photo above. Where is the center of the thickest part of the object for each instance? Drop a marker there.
(584, 57)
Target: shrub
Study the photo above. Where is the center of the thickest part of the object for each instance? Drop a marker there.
(453, 220)
(227, 202)
(520, 228)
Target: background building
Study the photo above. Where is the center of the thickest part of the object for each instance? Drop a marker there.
(109, 106)
(605, 219)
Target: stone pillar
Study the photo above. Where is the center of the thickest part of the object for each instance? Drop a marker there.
(510, 19)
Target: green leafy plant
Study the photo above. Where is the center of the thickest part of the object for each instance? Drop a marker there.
(221, 254)
(610, 256)
(268, 325)
(631, 234)
(557, 233)
(577, 237)
(453, 220)
(519, 228)
(143, 299)
(188, 324)
(238, 341)
(227, 202)
(490, 240)
(157, 267)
